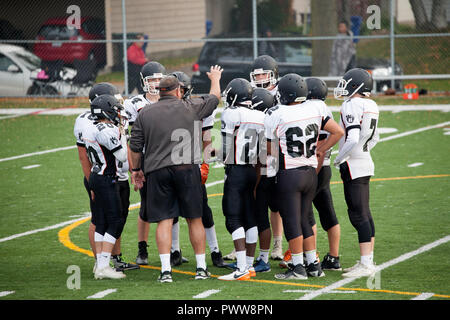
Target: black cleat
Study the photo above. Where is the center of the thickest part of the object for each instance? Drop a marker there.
(165, 276)
(331, 263)
(314, 270)
(297, 272)
(142, 257)
(121, 265)
(176, 258)
(217, 260)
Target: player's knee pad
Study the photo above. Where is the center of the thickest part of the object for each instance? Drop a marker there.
(233, 224)
(251, 235)
(115, 228)
(238, 233)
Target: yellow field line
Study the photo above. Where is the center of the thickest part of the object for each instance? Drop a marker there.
(64, 238)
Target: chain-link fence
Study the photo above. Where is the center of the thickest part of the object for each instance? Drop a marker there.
(62, 47)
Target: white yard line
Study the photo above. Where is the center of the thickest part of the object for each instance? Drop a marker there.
(102, 294)
(38, 153)
(307, 291)
(5, 293)
(31, 167)
(423, 296)
(379, 268)
(206, 294)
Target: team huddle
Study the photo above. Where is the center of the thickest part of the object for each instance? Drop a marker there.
(277, 138)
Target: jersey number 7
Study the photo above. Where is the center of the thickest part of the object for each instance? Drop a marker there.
(373, 126)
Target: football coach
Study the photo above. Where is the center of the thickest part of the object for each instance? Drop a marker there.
(170, 132)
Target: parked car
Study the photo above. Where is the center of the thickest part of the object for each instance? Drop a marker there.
(19, 69)
(236, 58)
(56, 29)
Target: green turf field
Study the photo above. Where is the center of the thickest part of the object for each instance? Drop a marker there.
(410, 206)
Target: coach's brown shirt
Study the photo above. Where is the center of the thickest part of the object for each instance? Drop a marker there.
(171, 131)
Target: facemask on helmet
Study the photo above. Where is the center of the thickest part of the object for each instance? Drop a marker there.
(341, 92)
(151, 83)
(262, 78)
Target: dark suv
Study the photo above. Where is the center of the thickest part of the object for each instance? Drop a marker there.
(236, 59)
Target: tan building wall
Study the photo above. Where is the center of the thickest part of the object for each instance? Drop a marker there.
(162, 19)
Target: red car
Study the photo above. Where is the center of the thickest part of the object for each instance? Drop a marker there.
(56, 29)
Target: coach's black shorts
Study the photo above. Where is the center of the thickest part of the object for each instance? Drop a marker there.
(266, 198)
(238, 202)
(323, 201)
(93, 205)
(174, 191)
(296, 189)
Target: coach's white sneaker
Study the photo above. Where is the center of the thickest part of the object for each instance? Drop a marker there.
(361, 271)
(108, 272)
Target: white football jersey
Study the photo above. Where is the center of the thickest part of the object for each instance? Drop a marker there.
(133, 105)
(241, 129)
(208, 122)
(324, 135)
(102, 140)
(82, 124)
(360, 114)
(297, 129)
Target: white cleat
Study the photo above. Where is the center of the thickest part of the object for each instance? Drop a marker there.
(230, 256)
(277, 251)
(361, 271)
(353, 267)
(108, 272)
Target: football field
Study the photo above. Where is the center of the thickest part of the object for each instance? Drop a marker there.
(44, 215)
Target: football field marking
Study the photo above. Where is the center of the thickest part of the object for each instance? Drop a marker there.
(415, 164)
(102, 294)
(206, 294)
(307, 291)
(379, 268)
(423, 296)
(5, 293)
(31, 167)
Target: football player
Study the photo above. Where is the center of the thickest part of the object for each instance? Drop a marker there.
(207, 219)
(241, 127)
(323, 201)
(359, 119)
(265, 196)
(83, 122)
(150, 75)
(265, 75)
(104, 144)
(292, 130)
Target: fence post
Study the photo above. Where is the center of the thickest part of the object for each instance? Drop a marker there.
(255, 30)
(392, 42)
(125, 57)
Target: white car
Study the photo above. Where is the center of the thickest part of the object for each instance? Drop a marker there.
(19, 69)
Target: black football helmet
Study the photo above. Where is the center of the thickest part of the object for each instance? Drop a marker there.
(317, 89)
(292, 88)
(185, 83)
(151, 73)
(104, 88)
(264, 65)
(262, 99)
(355, 80)
(238, 93)
(107, 107)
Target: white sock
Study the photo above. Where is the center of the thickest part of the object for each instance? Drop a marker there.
(371, 257)
(103, 260)
(165, 262)
(264, 255)
(241, 262)
(297, 258)
(175, 237)
(201, 262)
(310, 256)
(249, 261)
(366, 260)
(277, 241)
(212, 239)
